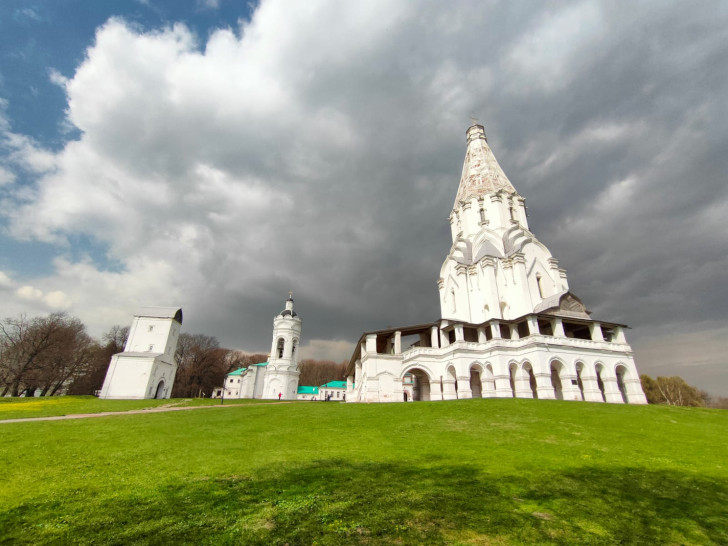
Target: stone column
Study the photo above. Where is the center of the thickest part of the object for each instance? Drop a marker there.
(503, 386)
(544, 388)
(514, 331)
(611, 390)
(502, 379)
(435, 390)
(444, 339)
(434, 337)
(595, 331)
(619, 335)
(495, 329)
(397, 342)
(590, 384)
(482, 338)
(371, 344)
(533, 325)
(464, 387)
(459, 333)
(557, 325)
(569, 385)
(523, 384)
(448, 388)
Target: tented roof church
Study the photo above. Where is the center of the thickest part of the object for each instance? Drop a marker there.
(510, 326)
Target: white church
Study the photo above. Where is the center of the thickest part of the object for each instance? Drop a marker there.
(510, 327)
(146, 368)
(277, 378)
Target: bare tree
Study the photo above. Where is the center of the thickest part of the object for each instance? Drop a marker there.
(202, 365)
(71, 355)
(91, 379)
(319, 372)
(25, 348)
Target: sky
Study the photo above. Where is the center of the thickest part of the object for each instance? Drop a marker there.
(215, 154)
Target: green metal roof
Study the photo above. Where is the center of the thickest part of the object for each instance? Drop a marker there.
(261, 364)
(308, 390)
(334, 385)
(239, 371)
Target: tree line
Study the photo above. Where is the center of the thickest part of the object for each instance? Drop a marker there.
(55, 355)
(675, 391)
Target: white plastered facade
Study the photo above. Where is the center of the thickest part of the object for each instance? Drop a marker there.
(509, 327)
(146, 368)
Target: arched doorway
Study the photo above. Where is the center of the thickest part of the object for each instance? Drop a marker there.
(556, 368)
(621, 376)
(531, 379)
(579, 369)
(160, 390)
(512, 374)
(476, 384)
(600, 369)
(420, 385)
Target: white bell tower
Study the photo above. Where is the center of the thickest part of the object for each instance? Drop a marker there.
(281, 373)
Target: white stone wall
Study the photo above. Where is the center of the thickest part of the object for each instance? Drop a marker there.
(551, 360)
(146, 368)
(153, 335)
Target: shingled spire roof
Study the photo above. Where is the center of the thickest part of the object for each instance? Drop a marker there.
(481, 172)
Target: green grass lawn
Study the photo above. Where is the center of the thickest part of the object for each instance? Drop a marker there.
(23, 408)
(466, 472)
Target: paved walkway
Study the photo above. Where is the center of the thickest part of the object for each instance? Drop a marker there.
(160, 409)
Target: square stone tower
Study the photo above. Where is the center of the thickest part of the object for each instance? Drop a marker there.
(146, 368)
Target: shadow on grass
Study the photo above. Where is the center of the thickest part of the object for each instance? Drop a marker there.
(336, 502)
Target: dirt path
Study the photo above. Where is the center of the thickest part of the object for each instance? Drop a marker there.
(160, 409)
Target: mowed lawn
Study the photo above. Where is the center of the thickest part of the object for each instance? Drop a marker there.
(463, 472)
(24, 408)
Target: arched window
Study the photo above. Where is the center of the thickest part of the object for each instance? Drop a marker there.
(293, 348)
(279, 348)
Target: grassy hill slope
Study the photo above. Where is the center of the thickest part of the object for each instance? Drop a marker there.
(473, 471)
